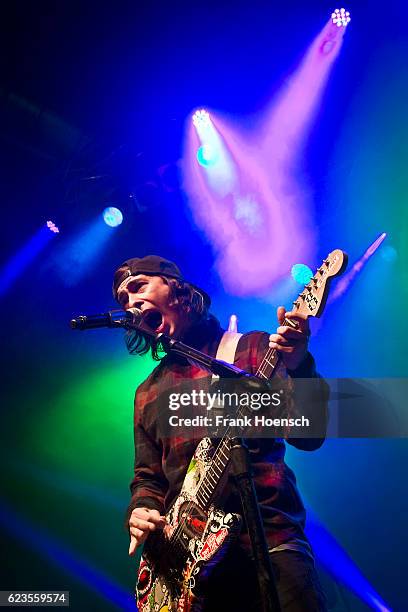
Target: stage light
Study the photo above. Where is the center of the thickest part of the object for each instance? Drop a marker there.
(207, 155)
(341, 17)
(61, 557)
(243, 191)
(201, 119)
(374, 246)
(389, 254)
(112, 216)
(18, 262)
(52, 227)
(301, 273)
(78, 255)
(233, 324)
(337, 562)
(347, 279)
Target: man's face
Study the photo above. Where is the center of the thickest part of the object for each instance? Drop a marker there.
(151, 294)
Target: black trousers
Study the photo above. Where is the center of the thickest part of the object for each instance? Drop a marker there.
(233, 587)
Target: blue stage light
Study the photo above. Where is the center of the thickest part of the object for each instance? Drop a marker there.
(301, 273)
(18, 262)
(55, 552)
(112, 216)
(389, 253)
(337, 562)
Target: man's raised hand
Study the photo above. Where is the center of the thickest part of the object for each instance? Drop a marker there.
(142, 521)
(290, 342)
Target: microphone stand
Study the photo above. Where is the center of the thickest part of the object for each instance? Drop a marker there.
(240, 462)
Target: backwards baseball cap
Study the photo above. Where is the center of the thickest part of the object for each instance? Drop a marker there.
(152, 265)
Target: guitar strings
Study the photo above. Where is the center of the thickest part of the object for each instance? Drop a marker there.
(265, 370)
(269, 366)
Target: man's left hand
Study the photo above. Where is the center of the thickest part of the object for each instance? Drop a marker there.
(291, 343)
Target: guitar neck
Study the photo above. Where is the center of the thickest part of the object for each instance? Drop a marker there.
(271, 358)
(310, 302)
(209, 485)
(222, 455)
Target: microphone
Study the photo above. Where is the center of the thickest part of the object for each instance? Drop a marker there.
(112, 318)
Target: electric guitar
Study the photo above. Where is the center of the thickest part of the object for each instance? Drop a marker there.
(175, 565)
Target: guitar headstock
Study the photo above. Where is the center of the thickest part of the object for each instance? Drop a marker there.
(312, 300)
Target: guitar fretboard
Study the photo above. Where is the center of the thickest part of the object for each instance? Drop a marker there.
(222, 456)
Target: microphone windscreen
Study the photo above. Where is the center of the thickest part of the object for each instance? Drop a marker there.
(137, 315)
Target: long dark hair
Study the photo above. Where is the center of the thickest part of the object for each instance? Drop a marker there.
(192, 303)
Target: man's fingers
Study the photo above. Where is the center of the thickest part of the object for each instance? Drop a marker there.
(290, 341)
(280, 312)
(137, 538)
(142, 521)
(281, 348)
(293, 316)
(141, 524)
(139, 535)
(301, 319)
(296, 316)
(157, 519)
(289, 332)
(168, 530)
(132, 545)
(139, 530)
(145, 515)
(277, 339)
(136, 532)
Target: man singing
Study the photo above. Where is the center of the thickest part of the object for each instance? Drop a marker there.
(181, 310)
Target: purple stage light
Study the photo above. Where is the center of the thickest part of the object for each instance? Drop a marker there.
(248, 220)
(211, 151)
(347, 279)
(201, 119)
(52, 227)
(233, 324)
(373, 247)
(252, 204)
(341, 17)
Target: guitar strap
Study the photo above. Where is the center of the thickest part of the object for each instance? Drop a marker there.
(227, 348)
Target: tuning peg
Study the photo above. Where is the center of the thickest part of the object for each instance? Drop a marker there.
(314, 279)
(326, 261)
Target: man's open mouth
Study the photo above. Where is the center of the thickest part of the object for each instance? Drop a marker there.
(153, 318)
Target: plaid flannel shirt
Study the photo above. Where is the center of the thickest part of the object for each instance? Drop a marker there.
(161, 463)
